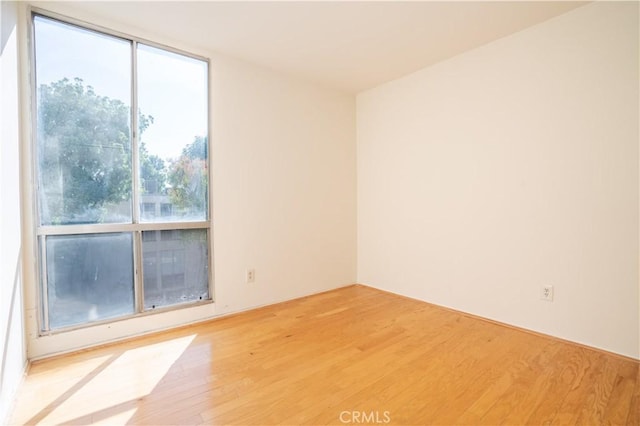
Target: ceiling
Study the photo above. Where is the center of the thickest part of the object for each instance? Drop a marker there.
(346, 45)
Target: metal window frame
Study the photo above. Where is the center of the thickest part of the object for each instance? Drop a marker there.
(136, 227)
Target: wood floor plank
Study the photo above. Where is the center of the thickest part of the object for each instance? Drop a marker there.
(524, 373)
(633, 418)
(355, 354)
(589, 374)
(621, 397)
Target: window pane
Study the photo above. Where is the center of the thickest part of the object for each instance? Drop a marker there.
(172, 90)
(83, 132)
(175, 269)
(89, 278)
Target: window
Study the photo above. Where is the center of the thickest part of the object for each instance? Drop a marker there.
(121, 147)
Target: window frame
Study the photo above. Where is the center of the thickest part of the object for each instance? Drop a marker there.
(136, 227)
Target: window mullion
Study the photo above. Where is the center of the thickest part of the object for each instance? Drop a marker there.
(135, 133)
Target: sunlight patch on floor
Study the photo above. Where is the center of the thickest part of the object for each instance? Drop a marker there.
(117, 419)
(109, 391)
(42, 397)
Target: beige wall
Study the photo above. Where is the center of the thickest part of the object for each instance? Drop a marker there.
(284, 195)
(509, 167)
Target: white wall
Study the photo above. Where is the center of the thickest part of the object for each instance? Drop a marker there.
(283, 188)
(509, 167)
(12, 348)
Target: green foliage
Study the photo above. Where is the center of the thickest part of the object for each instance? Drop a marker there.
(196, 149)
(85, 153)
(153, 172)
(187, 177)
(84, 150)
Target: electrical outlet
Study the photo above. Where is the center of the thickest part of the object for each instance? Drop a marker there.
(251, 275)
(546, 293)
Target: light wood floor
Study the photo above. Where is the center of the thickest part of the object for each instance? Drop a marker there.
(352, 355)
